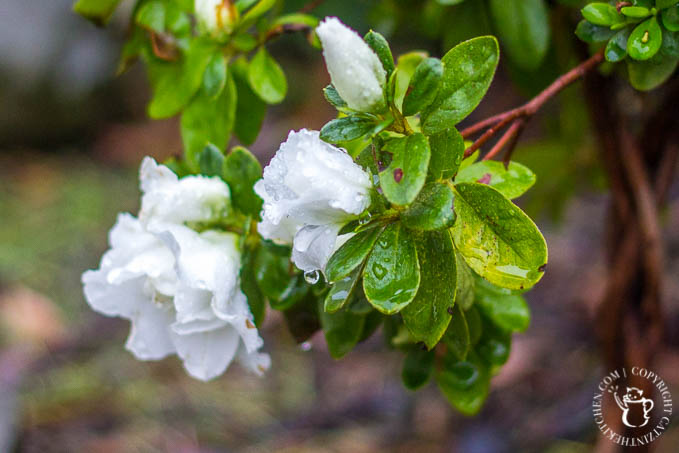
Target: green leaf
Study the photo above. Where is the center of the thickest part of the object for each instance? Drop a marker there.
(635, 12)
(423, 86)
(342, 331)
(447, 151)
(464, 295)
(432, 209)
(346, 129)
(241, 171)
(272, 272)
(616, 49)
(208, 120)
(333, 97)
(457, 338)
(507, 310)
(465, 384)
(407, 172)
(645, 40)
(427, 316)
(98, 11)
(301, 313)
(523, 28)
(670, 44)
(670, 18)
(468, 70)
(296, 19)
(591, 33)
(392, 272)
(494, 345)
(498, 240)
(417, 368)
(406, 66)
(250, 109)
(211, 160)
(257, 11)
(351, 254)
(341, 292)
(266, 77)
(214, 79)
(649, 74)
(469, 160)
(175, 84)
(600, 13)
(151, 15)
(512, 182)
(662, 4)
(474, 324)
(248, 284)
(381, 47)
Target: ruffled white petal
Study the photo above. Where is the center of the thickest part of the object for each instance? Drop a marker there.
(313, 246)
(168, 199)
(355, 70)
(206, 355)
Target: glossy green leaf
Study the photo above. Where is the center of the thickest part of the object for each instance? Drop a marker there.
(250, 109)
(507, 310)
(662, 4)
(417, 368)
(241, 171)
(211, 160)
(392, 272)
(600, 13)
(266, 77)
(456, 337)
(406, 65)
(468, 70)
(670, 18)
(616, 49)
(341, 292)
(381, 47)
(207, 120)
(272, 272)
(346, 129)
(498, 240)
(214, 79)
(296, 19)
(428, 315)
(342, 331)
(591, 33)
(98, 11)
(447, 151)
(423, 86)
(175, 84)
(635, 12)
(474, 324)
(405, 176)
(523, 29)
(494, 346)
(249, 286)
(670, 44)
(465, 384)
(645, 40)
(512, 182)
(432, 209)
(254, 13)
(649, 74)
(333, 97)
(351, 254)
(464, 295)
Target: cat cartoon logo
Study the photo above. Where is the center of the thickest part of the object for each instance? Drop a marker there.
(636, 410)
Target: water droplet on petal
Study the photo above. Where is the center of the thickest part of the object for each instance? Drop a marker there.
(312, 277)
(306, 346)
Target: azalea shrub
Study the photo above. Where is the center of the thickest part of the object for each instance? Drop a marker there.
(384, 221)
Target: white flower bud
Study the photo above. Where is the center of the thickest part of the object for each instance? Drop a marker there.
(178, 287)
(356, 72)
(310, 190)
(216, 16)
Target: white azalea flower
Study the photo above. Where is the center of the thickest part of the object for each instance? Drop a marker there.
(215, 16)
(178, 287)
(310, 190)
(356, 72)
(168, 199)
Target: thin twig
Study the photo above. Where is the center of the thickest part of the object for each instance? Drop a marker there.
(497, 122)
(508, 139)
(312, 5)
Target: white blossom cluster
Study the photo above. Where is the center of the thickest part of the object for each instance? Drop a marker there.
(179, 286)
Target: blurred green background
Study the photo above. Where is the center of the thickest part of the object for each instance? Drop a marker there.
(71, 138)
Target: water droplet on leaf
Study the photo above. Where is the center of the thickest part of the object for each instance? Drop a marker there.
(312, 277)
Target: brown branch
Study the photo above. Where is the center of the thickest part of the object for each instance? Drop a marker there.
(526, 111)
(312, 5)
(508, 139)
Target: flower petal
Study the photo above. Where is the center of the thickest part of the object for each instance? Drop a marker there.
(206, 355)
(313, 246)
